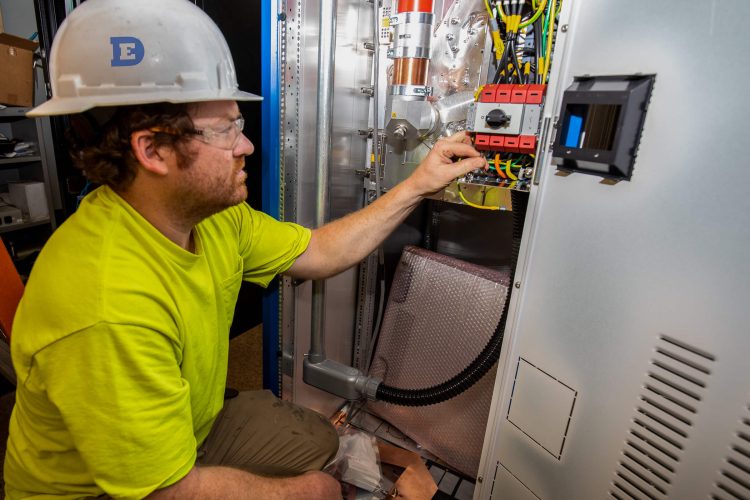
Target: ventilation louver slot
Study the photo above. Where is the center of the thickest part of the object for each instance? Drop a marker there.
(671, 394)
(734, 476)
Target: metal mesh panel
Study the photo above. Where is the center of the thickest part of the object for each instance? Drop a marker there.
(440, 314)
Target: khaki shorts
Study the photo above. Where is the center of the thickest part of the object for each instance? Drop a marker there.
(262, 434)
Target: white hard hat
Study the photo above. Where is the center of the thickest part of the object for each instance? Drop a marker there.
(121, 52)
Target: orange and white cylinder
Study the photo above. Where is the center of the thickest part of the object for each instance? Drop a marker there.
(411, 47)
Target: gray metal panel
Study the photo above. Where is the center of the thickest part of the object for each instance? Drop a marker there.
(351, 108)
(610, 268)
(456, 65)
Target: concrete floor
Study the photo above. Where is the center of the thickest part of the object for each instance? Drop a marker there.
(245, 374)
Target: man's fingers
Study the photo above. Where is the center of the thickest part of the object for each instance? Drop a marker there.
(463, 167)
(458, 137)
(452, 149)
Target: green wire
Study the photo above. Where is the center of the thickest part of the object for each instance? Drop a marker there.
(545, 28)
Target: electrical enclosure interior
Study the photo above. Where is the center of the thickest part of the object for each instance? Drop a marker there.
(622, 267)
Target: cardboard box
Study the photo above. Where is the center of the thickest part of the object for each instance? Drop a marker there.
(17, 63)
(30, 198)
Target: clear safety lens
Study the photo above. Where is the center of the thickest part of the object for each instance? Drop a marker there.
(225, 137)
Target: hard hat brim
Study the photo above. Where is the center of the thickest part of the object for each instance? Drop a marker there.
(72, 105)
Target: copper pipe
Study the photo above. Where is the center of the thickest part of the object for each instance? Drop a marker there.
(410, 71)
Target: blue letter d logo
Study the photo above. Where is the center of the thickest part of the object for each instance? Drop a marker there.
(126, 50)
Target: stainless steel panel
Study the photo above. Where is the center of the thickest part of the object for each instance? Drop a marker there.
(608, 271)
(352, 71)
(458, 64)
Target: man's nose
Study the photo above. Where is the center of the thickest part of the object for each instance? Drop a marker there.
(245, 146)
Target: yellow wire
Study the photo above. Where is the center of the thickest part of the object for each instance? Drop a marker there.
(528, 22)
(463, 198)
(489, 9)
(500, 10)
(496, 40)
(550, 34)
(536, 15)
(507, 171)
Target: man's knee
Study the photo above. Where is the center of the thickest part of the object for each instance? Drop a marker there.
(329, 442)
(315, 434)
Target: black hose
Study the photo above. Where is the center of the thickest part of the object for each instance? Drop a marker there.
(489, 355)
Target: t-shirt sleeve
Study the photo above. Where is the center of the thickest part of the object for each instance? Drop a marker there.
(121, 396)
(269, 247)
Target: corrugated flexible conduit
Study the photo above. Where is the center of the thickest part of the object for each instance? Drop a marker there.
(489, 355)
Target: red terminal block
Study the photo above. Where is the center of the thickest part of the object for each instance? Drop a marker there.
(503, 92)
(482, 142)
(527, 144)
(518, 94)
(488, 93)
(497, 142)
(535, 94)
(511, 143)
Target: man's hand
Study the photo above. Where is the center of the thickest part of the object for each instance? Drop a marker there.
(439, 168)
(342, 243)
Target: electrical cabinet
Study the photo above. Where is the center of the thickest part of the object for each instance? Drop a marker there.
(623, 371)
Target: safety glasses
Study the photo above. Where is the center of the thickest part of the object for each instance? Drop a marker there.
(223, 137)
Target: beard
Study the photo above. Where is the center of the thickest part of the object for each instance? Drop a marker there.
(204, 193)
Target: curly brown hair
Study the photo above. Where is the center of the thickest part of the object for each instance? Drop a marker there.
(105, 155)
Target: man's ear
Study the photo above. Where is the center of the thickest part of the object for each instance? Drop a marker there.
(147, 154)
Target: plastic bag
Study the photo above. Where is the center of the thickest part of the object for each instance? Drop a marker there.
(358, 460)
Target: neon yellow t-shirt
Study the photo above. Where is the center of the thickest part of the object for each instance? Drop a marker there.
(120, 346)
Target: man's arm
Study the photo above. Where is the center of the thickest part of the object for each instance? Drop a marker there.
(233, 484)
(342, 243)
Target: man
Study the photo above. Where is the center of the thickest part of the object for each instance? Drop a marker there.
(120, 342)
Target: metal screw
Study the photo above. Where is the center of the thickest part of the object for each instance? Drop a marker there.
(454, 48)
(367, 91)
(480, 479)
(449, 36)
(564, 28)
(517, 284)
(454, 21)
(369, 46)
(400, 132)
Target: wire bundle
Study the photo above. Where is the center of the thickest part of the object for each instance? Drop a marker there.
(511, 21)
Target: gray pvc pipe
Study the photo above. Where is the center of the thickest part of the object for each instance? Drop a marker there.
(324, 124)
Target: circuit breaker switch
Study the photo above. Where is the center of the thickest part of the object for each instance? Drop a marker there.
(493, 118)
(497, 118)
